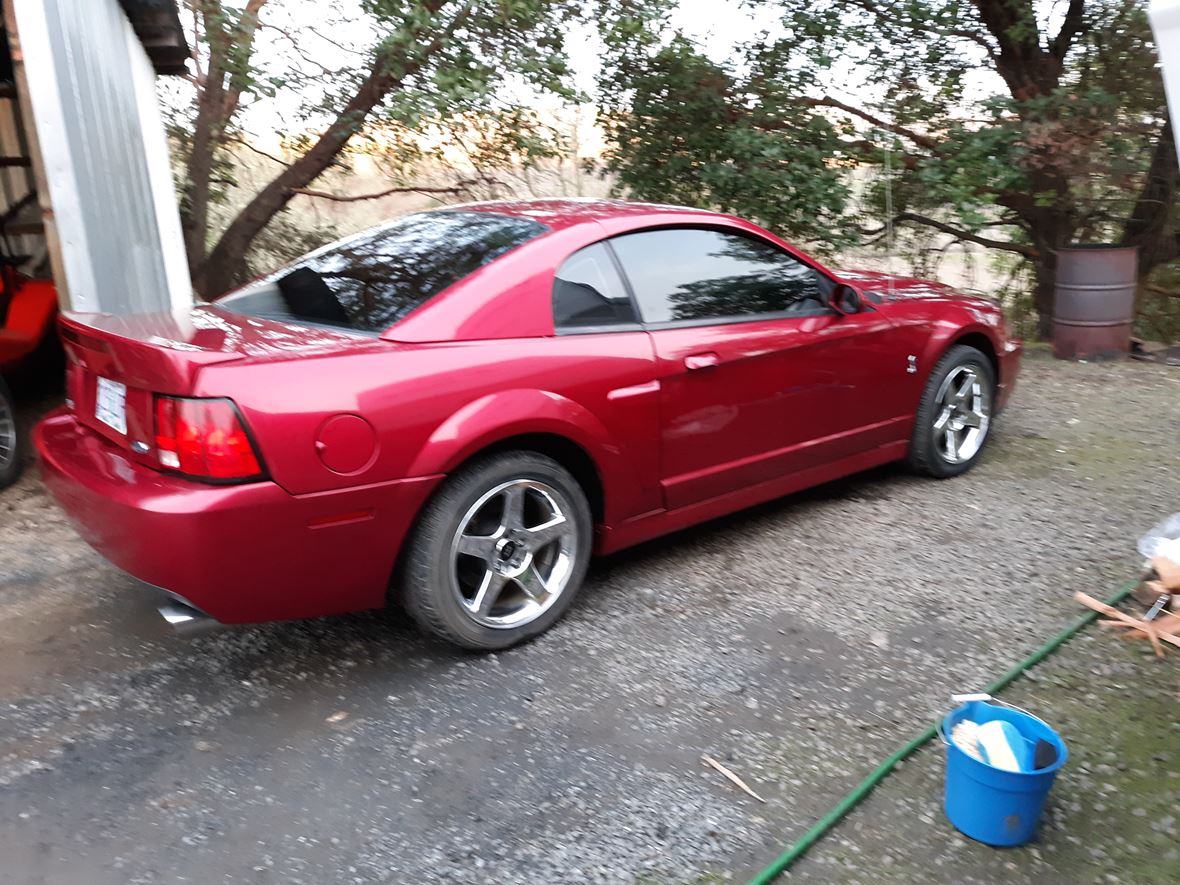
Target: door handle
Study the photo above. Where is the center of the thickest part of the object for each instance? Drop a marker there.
(701, 361)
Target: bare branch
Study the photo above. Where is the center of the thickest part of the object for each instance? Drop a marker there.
(257, 150)
(1160, 290)
(878, 11)
(931, 144)
(1074, 24)
(334, 43)
(389, 71)
(460, 187)
(244, 38)
(1018, 248)
(301, 52)
(195, 52)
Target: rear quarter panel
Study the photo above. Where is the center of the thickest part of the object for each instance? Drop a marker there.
(435, 405)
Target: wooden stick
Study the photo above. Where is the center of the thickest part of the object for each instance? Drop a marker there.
(709, 760)
(1145, 626)
(1099, 606)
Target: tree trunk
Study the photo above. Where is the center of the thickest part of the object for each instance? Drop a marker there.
(198, 175)
(1151, 224)
(1051, 227)
(1032, 66)
(226, 263)
(215, 108)
(1044, 294)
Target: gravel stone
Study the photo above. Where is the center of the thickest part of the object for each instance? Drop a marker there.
(127, 755)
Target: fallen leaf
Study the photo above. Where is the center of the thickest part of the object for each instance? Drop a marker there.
(709, 760)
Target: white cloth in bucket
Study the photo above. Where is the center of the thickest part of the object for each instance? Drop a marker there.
(1002, 746)
(965, 734)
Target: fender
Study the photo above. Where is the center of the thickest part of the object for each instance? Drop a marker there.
(947, 330)
(499, 416)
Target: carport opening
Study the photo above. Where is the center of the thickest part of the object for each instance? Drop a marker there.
(29, 359)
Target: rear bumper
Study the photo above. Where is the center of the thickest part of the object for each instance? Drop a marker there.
(1009, 359)
(241, 554)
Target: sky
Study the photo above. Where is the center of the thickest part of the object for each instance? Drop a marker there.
(718, 26)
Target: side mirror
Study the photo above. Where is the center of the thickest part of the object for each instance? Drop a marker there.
(845, 300)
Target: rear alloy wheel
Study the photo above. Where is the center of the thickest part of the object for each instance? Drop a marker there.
(11, 455)
(499, 553)
(955, 415)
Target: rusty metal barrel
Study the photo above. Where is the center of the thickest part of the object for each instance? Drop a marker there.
(1094, 303)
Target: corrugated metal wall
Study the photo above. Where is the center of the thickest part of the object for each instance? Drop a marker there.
(83, 93)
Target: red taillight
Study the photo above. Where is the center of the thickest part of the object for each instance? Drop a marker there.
(204, 438)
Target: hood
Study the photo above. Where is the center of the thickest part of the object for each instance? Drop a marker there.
(884, 288)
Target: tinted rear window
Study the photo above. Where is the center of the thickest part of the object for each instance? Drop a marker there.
(372, 279)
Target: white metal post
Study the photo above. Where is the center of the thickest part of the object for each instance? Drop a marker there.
(1165, 22)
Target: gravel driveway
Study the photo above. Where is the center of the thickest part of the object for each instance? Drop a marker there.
(798, 643)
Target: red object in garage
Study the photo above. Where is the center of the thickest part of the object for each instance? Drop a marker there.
(28, 308)
(461, 405)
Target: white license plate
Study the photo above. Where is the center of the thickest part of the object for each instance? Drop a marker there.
(110, 404)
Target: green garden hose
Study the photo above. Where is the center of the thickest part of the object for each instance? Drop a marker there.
(853, 798)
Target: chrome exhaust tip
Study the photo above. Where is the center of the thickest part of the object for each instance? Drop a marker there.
(187, 621)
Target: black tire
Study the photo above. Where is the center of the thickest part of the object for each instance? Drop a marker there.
(429, 587)
(12, 451)
(925, 456)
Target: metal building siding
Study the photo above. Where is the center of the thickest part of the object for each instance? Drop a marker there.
(92, 141)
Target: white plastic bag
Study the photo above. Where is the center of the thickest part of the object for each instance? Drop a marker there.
(1163, 540)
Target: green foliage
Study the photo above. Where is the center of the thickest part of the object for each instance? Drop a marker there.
(686, 134)
(439, 76)
(1159, 306)
(1008, 122)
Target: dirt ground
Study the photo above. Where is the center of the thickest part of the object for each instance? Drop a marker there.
(799, 643)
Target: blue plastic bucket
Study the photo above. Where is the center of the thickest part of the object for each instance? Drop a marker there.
(988, 804)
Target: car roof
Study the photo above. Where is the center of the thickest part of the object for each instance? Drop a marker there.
(562, 212)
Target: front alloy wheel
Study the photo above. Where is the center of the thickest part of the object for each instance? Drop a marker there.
(499, 552)
(964, 414)
(954, 415)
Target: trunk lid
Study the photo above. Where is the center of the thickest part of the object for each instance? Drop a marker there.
(118, 363)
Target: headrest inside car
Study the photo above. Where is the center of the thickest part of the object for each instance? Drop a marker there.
(307, 295)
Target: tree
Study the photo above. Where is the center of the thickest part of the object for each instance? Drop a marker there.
(431, 61)
(685, 134)
(1017, 125)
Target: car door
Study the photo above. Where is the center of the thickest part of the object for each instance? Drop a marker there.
(732, 319)
(864, 393)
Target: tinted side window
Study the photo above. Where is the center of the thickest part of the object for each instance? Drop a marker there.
(371, 280)
(588, 291)
(695, 274)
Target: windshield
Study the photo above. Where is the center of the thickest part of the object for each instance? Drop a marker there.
(371, 280)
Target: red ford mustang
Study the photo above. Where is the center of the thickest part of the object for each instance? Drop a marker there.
(455, 410)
